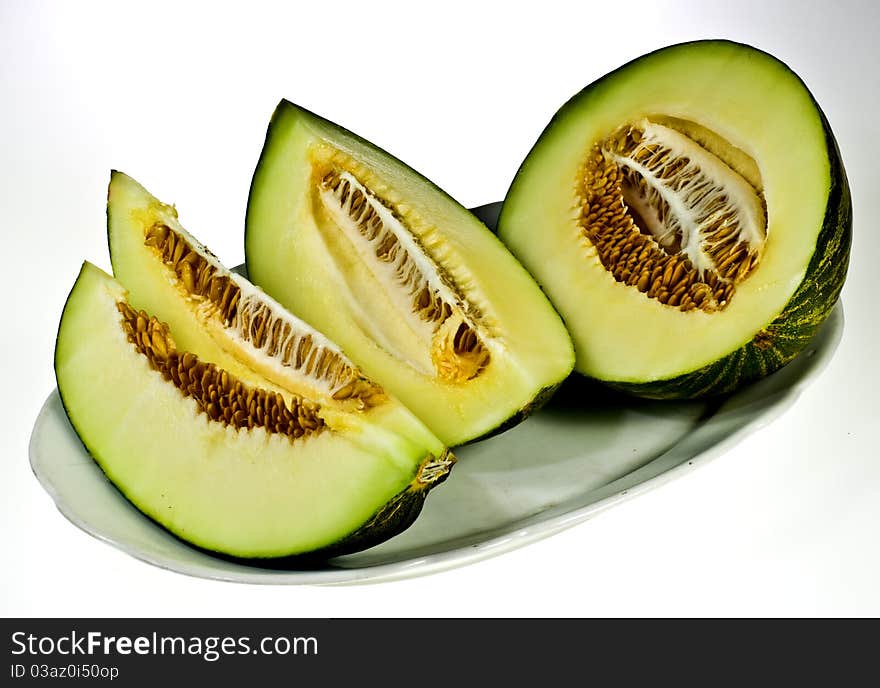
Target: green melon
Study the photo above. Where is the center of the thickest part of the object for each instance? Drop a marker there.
(415, 289)
(689, 217)
(223, 417)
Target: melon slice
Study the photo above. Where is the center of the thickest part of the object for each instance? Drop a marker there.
(411, 285)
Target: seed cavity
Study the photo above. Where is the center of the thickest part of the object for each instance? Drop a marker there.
(256, 323)
(445, 323)
(246, 312)
(198, 276)
(218, 394)
(670, 218)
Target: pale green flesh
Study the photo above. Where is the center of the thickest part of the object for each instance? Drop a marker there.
(241, 492)
(299, 260)
(749, 99)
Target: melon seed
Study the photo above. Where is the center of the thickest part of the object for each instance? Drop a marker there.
(197, 276)
(217, 393)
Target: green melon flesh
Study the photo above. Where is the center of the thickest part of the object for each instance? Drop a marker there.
(304, 256)
(247, 493)
(769, 124)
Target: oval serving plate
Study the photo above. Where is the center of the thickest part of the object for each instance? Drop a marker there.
(584, 452)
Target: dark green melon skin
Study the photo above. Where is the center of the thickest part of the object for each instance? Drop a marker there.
(789, 333)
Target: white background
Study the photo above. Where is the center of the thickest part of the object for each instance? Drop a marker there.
(178, 95)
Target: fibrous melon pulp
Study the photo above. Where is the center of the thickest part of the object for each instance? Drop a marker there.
(689, 217)
(223, 417)
(412, 286)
